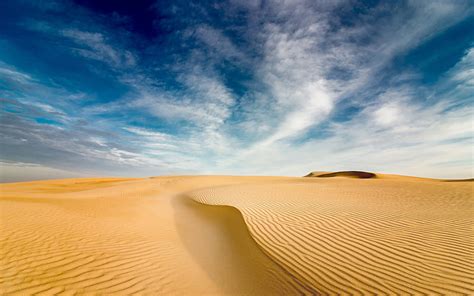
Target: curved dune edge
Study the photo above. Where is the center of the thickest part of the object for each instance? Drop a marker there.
(299, 284)
(405, 237)
(263, 266)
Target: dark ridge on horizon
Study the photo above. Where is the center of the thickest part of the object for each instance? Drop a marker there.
(460, 180)
(350, 174)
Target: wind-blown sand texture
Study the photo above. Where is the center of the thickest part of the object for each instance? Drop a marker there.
(237, 235)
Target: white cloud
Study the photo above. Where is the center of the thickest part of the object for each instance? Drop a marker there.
(387, 114)
(220, 45)
(89, 44)
(14, 75)
(48, 108)
(93, 45)
(463, 72)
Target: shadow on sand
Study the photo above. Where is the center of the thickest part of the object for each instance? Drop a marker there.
(219, 241)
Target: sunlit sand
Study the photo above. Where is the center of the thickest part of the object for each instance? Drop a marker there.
(342, 233)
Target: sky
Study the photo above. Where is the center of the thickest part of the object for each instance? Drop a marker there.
(146, 88)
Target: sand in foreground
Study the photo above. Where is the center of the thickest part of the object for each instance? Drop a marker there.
(237, 235)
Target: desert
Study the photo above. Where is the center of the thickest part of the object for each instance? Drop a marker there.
(236, 147)
(231, 235)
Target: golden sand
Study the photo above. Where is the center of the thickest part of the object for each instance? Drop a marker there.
(223, 235)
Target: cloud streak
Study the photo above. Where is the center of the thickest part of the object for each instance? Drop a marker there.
(94, 46)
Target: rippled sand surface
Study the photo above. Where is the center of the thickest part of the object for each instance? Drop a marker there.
(221, 235)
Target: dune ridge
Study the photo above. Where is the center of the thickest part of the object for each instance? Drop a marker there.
(350, 174)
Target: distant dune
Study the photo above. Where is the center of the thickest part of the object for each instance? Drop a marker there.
(222, 235)
(350, 174)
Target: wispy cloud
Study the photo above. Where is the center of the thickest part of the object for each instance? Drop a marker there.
(219, 45)
(94, 45)
(14, 75)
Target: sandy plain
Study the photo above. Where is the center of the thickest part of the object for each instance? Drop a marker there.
(326, 234)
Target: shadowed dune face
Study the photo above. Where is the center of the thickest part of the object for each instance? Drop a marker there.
(349, 174)
(219, 241)
(276, 236)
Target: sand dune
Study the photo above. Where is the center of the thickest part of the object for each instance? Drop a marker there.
(129, 236)
(376, 236)
(244, 235)
(350, 174)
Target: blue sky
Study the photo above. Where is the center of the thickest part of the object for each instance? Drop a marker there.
(140, 88)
